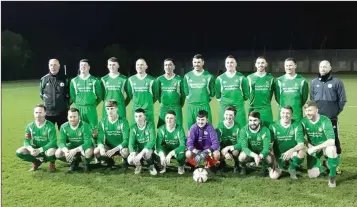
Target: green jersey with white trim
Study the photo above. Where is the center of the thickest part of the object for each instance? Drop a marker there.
(143, 92)
(114, 133)
(319, 132)
(86, 91)
(171, 91)
(199, 88)
(41, 136)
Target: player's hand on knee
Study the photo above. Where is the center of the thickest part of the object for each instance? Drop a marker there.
(169, 156)
(111, 152)
(195, 151)
(228, 156)
(257, 159)
(35, 152)
(137, 158)
(162, 159)
(71, 155)
(287, 155)
(311, 150)
(102, 151)
(227, 149)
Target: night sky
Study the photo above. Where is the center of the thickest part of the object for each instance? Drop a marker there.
(183, 26)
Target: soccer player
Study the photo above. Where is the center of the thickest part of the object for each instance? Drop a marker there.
(232, 89)
(202, 143)
(143, 91)
(86, 94)
(113, 135)
(261, 87)
(255, 141)
(75, 140)
(321, 142)
(171, 142)
(171, 95)
(288, 138)
(292, 89)
(142, 142)
(228, 137)
(199, 90)
(329, 94)
(40, 141)
(115, 87)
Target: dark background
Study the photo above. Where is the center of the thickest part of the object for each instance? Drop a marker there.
(71, 31)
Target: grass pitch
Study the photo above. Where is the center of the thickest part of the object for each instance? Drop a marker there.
(119, 188)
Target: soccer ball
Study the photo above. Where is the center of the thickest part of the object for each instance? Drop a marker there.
(200, 175)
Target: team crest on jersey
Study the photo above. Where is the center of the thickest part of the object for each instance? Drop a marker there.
(175, 137)
(258, 138)
(79, 134)
(320, 129)
(162, 84)
(44, 134)
(190, 80)
(118, 127)
(236, 81)
(146, 84)
(174, 84)
(329, 85)
(90, 83)
(107, 83)
(296, 85)
(146, 133)
(291, 132)
(224, 82)
(134, 83)
(205, 133)
(204, 80)
(61, 84)
(234, 134)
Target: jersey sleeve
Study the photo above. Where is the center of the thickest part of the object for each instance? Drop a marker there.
(155, 91)
(277, 91)
(212, 86)
(182, 140)
(151, 144)
(72, 91)
(218, 88)
(125, 131)
(305, 92)
(129, 89)
(328, 129)
(244, 140)
(185, 86)
(63, 138)
(214, 138)
(219, 134)
(98, 91)
(159, 140)
(87, 136)
(101, 134)
(341, 96)
(299, 134)
(182, 93)
(245, 88)
(52, 138)
(266, 142)
(159, 90)
(132, 136)
(28, 136)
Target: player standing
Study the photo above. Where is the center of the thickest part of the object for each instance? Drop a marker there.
(232, 89)
(288, 138)
(199, 90)
(115, 87)
(40, 141)
(292, 89)
(142, 142)
(86, 94)
(143, 91)
(261, 87)
(171, 95)
(171, 142)
(321, 142)
(329, 94)
(75, 141)
(113, 135)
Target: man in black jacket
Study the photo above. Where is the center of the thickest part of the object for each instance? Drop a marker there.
(329, 94)
(54, 92)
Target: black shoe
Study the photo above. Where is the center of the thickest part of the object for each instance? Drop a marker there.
(110, 163)
(236, 169)
(263, 172)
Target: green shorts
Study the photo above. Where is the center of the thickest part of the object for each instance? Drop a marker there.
(89, 114)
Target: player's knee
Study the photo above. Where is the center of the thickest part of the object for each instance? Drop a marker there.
(188, 154)
(313, 173)
(147, 155)
(301, 154)
(131, 159)
(216, 155)
(269, 159)
(124, 152)
(50, 152)
(331, 152)
(59, 153)
(242, 157)
(274, 174)
(235, 153)
(88, 153)
(22, 150)
(96, 152)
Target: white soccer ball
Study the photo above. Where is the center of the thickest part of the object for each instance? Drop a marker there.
(200, 175)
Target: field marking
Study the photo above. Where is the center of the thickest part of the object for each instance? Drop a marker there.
(352, 106)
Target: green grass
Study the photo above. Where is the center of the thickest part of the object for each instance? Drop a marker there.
(23, 188)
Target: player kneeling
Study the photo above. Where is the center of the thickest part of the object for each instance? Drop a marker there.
(171, 142)
(228, 138)
(75, 141)
(40, 141)
(321, 142)
(141, 142)
(202, 143)
(255, 139)
(113, 136)
(288, 136)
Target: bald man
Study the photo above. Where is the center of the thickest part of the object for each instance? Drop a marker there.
(143, 91)
(329, 94)
(54, 92)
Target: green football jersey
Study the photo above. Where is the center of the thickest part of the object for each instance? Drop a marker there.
(174, 140)
(43, 136)
(286, 138)
(232, 91)
(171, 91)
(257, 142)
(262, 89)
(199, 89)
(114, 133)
(86, 91)
(142, 138)
(319, 132)
(74, 137)
(227, 136)
(115, 88)
(293, 92)
(142, 92)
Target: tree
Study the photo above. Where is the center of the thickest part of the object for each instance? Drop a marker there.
(15, 55)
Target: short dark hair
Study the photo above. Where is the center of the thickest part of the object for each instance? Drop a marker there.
(231, 108)
(111, 103)
(230, 56)
(254, 114)
(289, 108)
(198, 56)
(261, 57)
(171, 112)
(140, 110)
(113, 59)
(310, 103)
(74, 110)
(290, 59)
(169, 59)
(41, 106)
(202, 114)
(84, 61)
